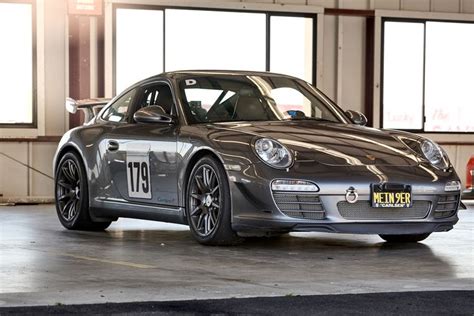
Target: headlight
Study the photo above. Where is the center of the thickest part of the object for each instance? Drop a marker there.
(435, 154)
(273, 153)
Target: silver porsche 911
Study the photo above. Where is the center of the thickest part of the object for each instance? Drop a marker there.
(236, 154)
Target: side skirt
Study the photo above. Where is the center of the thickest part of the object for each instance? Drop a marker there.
(121, 208)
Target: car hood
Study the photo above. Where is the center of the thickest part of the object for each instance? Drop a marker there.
(332, 144)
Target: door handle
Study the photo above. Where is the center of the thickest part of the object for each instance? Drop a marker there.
(112, 145)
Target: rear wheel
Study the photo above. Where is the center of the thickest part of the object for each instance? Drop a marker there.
(208, 204)
(405, 238)
(71, 193)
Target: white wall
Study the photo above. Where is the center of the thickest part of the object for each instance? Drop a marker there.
(16, 180)
(342, 73)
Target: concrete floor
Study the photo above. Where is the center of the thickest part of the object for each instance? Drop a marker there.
(42, 263)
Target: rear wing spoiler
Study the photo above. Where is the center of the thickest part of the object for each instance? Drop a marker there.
(90, 107)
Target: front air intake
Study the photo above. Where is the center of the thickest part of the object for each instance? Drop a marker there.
(447, 206)
(363, 210)
(300, 205)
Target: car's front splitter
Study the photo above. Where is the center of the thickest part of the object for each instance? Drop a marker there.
(249, 224)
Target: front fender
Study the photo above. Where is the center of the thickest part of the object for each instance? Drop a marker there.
(233, 150)
(85, 141)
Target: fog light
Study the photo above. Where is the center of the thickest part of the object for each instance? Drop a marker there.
(452, 186)
(294, 185)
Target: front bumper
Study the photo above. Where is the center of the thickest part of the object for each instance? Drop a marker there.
(256, 208)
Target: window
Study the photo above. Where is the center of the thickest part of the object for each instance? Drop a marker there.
(159, 95)
(291, 50)
(198, 39)
(224, 98)
(139, 45)
(152, 39)
(205, 98)
(16, 64)
(403, 75)
(218, 99)
(427, 76)
(289, 99)
(292, 99)
(449, 88)
(118, 111)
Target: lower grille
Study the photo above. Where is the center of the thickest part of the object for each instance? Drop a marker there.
(300, 205)
(447, 206)
(364, 210)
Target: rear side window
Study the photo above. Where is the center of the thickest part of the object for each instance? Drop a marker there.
(118, 111)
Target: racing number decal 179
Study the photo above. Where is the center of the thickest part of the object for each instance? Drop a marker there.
(138, 176)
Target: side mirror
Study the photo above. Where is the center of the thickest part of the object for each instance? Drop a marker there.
(153, 114)
(357, 117)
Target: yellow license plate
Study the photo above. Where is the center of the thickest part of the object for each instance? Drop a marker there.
(391, 195)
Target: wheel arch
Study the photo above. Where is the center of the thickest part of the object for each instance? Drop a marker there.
(70, 147)
(189, 167)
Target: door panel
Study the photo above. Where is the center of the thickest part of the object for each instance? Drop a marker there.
(141, 158)
(143, 168)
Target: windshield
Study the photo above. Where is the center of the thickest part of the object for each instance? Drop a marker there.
(226, 98)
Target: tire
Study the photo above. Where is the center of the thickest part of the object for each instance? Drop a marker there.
(405, 238)
(208, 207)
(71, 195)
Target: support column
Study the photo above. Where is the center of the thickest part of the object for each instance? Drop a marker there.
(369, 70)
(79, 63)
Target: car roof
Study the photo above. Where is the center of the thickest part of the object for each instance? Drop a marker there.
(187, 73)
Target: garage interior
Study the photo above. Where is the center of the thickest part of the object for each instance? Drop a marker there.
(360, 53)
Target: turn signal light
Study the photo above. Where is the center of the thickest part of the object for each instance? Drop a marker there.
(452, 186)
(294, 185)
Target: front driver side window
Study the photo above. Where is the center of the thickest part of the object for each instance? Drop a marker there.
(118, 111)
(157, 95)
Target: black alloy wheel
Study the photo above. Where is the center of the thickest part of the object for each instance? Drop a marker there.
(205, 200)
(208, 204)
(68, 190)
(72, 201)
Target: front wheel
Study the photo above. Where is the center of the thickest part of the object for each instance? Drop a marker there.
(72, 200)
(208, 207)
(405, 238)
